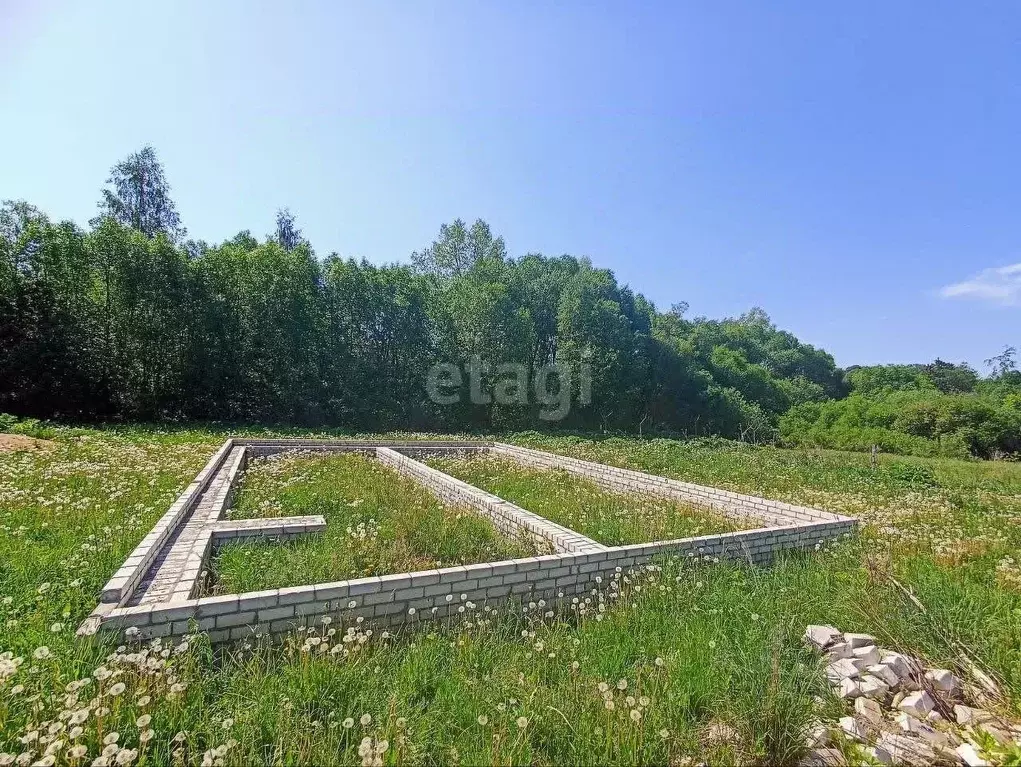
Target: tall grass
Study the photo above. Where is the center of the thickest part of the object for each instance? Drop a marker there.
(733, 681)
(377, 523)
(611, 518)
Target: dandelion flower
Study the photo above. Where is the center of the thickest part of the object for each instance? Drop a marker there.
(348, 723)
(483, 720)
(636, 715)
(622, 684)
(143, 721)
(522, 722)
(41, 653)
(116, 689)
(664, 733)
(366, 720)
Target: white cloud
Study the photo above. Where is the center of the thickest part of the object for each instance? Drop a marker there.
(1000, 285)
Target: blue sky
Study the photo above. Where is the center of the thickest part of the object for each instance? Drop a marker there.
(854, 169)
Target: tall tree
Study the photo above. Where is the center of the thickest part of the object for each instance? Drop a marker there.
(139, 197)
(458, 248)
(287, 235)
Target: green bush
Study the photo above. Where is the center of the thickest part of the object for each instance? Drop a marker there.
(30, 427)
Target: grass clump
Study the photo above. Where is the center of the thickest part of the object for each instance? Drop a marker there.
(377, 523)
(614, 519)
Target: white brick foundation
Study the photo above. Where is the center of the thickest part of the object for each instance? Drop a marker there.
(154, 591)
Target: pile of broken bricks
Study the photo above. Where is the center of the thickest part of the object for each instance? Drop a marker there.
(904, 712)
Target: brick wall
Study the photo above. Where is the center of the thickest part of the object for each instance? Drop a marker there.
(395, 600)
(387, 601)
(734, 505)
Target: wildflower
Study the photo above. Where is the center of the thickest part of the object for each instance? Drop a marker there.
(112, 737)
(116, 689)
(664, 733)
(636, 715)
(144, 701)
(522, 722)
(609, 704)
(56, 628)
(352, 604)
(41, 653)
(603, 687)
(143, 721)
(660, 662)
(411, 611)
(401, 723)
(366, 720)
(348, 723)
(77, 752)
(644, 701)
(622, 684)
(483, 720)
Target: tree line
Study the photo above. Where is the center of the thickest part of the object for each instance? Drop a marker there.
(129, 319)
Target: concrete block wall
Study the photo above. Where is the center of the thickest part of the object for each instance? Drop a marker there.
(734, 505)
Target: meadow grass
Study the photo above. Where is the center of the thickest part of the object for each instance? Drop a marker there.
(614, 519)
(708, 655)
(377, 523)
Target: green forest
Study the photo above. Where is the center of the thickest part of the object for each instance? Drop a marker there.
(130, 320)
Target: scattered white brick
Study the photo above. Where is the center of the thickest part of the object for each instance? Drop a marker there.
(873, 688)
(848, 689)
(852, 728)
(885, 674)
(868, 654)
(968, 715)
(859, 640)
(969, 755)
(842, 669)
(821, 637)
(918, 704)
(943, 680)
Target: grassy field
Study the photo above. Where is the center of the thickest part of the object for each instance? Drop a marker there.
(611, 518)
(376, 523)
(689, 662)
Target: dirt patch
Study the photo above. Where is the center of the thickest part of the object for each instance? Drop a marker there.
(11, 443)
